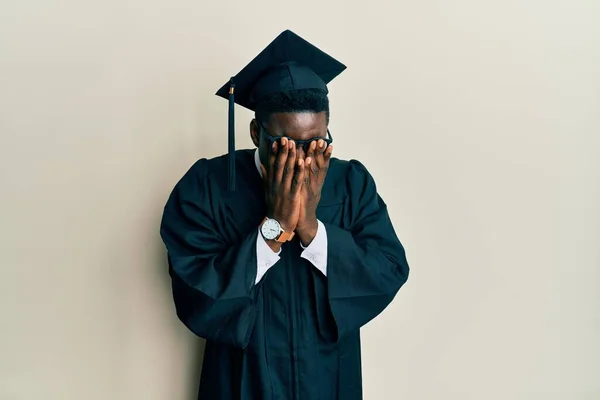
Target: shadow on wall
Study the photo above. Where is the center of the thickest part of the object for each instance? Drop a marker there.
(189, 139)
(188, 349)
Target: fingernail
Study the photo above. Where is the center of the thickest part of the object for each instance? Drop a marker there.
(274, 145)
(308, 160)
(284, 141)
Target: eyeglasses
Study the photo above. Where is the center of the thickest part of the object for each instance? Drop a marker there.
(304, 144)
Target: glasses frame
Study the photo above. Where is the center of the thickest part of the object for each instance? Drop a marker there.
(303, 143)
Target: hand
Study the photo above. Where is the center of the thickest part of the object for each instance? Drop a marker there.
(316, 165)
(283, 184)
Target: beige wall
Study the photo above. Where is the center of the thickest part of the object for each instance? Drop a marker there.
(480, 121)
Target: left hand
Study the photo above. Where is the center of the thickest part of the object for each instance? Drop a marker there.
(316, 166)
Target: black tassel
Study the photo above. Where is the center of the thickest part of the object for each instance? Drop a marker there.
(231, 137)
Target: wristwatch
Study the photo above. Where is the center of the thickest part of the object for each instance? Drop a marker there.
(271, 230)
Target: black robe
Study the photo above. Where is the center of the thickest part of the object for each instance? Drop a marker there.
(294, 335)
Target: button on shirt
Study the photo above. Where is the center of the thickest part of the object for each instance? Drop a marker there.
(315, 252)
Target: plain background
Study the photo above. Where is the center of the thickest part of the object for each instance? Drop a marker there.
(480, 121)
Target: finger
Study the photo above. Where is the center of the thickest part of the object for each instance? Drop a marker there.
(319, 156)
(327, 154)
(312, 167)
(281, 160)
(272, 158)
(321, 146)
(311, 149)
(288, 172)
(298, 177)
(324, 165)
(310, 174)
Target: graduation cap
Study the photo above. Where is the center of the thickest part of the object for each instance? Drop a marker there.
(288, 63)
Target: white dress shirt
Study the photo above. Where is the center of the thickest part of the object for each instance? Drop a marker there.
(315, 252)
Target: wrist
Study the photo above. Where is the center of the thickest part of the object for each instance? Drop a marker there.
(307, 230)
(282, 221)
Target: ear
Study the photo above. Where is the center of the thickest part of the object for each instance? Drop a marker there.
(254, 132)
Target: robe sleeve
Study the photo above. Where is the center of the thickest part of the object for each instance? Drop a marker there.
(366, 263)
(213, 281)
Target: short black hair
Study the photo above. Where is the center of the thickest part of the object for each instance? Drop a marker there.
(301, 100)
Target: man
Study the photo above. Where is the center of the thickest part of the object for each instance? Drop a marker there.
(278, 256)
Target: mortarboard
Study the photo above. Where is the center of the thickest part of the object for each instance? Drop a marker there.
(287, 63)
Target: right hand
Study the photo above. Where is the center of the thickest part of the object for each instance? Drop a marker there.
(283, 184)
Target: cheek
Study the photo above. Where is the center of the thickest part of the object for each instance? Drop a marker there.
(263, 154)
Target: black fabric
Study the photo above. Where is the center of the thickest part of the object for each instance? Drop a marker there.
(296, 334)
(288, 63)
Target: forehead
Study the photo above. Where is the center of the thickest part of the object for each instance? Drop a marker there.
(299, 126)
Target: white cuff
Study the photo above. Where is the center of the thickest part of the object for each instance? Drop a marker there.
(265, 257)
(316, 251)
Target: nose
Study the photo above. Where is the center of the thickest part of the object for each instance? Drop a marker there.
(300, 151)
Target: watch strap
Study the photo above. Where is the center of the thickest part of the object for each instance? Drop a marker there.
(285, 237)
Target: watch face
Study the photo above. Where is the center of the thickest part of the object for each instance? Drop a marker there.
(270, 229)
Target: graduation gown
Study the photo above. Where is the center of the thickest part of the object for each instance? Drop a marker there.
(295, 334)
